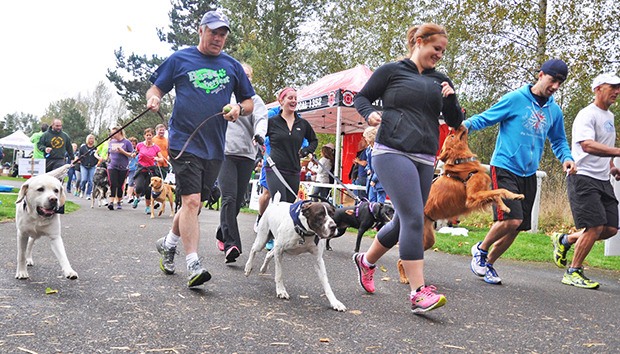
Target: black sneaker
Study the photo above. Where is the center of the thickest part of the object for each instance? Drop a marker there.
(232, 254)
(111, 206)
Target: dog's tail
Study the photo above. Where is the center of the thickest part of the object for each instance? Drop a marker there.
(60, 172)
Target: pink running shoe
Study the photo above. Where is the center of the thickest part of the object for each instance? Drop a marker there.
(426, 299)
(365, 273)
(220, 245)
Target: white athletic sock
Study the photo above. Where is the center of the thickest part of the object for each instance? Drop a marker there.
(366, 263)
(191, 258)
(171, 240)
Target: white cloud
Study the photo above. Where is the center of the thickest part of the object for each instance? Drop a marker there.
(56, 49)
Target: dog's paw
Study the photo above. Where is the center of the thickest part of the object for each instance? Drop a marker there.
(29, 262)
(70, 274)
(22, 274)
(338, 306)
(152, 216)
(282, 294)
(248, 270)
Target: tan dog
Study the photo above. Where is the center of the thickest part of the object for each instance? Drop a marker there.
(36, 215)
(160, 192)
(463, 187)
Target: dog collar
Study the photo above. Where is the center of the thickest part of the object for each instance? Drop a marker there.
(294, 212)
(465, 159)
(458, 178)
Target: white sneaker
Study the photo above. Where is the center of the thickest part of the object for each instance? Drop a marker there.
(491, 276)
(478, 261)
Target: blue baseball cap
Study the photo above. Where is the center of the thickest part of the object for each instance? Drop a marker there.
(556, 68)
(215, 19)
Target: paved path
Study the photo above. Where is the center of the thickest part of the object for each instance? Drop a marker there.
(123, 303)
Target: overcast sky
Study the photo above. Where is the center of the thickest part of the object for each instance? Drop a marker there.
(55, 49)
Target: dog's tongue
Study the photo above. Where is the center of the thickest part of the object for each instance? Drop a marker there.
(45, 212)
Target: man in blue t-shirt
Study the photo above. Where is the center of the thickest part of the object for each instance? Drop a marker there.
(204, 78)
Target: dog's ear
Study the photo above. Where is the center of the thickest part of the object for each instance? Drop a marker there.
(62, 197)
(22, 192)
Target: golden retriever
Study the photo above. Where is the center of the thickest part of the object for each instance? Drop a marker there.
(160, 192)
(36, 215)
(463, 187)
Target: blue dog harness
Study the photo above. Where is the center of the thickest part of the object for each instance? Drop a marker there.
(294, 212)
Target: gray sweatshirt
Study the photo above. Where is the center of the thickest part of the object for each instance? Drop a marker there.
(240, 133)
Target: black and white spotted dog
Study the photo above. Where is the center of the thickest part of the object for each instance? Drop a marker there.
(296, 228)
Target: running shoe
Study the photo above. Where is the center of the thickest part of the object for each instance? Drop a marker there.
(426, 300)
(135, 202)
(119, 206)
(147, 210)
(269, 245)
(365, 273)
(166, 262)
(111, 206)
(559, 250)
(232, 254)
(578, 279)
(478, 260)
(490, 276)
(197, 274)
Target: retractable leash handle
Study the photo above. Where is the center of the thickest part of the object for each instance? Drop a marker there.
(338, 180)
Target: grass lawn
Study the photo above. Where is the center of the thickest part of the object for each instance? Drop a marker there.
(527, 247)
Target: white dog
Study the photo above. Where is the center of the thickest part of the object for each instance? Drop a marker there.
(314, 225)
(36, 215)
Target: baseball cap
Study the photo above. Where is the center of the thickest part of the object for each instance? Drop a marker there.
(330, 145)
(214, 20)
(556, 68)
(611, 79)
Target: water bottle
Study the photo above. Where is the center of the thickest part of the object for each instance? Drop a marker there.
(308, 176)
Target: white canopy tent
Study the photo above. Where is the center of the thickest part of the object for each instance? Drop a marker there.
(18, 141)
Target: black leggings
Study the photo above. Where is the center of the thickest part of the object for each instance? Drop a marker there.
(275, 185)
(142, 179)
(117, 182)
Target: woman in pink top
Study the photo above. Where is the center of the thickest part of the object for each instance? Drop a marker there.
(148, 156)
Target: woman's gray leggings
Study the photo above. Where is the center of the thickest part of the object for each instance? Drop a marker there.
(407, 183)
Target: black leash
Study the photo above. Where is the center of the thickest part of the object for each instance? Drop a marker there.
(194, 133)
(91, 150)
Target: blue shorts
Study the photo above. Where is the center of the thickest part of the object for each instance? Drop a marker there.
(263, 177)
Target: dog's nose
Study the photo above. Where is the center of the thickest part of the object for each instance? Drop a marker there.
(53, 201)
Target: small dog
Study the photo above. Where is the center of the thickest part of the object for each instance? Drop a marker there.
(101, 187)
(296, 228)
(160, 192)
(464, 186)
(362, 216)
(37, 204)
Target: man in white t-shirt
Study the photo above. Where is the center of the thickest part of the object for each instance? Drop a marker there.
(590, 193)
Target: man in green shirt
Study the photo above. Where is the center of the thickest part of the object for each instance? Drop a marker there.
(34, 138)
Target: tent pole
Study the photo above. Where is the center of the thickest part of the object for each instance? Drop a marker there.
(338, 153)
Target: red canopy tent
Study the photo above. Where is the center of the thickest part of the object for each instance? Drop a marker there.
(328, 105)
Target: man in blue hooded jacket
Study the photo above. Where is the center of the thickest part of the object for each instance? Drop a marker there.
(526, 118)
